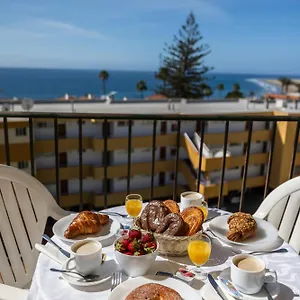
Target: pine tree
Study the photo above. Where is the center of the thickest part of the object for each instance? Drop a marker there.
(184, 60)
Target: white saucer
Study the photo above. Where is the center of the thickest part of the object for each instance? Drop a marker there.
(105, 270)
(208, 292)
(122, 290)
(106, 232)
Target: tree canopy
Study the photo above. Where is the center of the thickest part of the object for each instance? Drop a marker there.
(183, 63)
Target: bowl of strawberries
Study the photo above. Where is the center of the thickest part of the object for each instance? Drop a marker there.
(136, 252)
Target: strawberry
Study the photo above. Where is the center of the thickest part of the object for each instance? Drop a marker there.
(128, 253)
(148, 237)
(125, 243)
(133, 246)
(120, 247)
(150, 247)
(134, 234)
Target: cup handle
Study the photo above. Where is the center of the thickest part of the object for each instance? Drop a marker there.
(273, 279)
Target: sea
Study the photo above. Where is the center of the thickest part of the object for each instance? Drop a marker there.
(50, 84)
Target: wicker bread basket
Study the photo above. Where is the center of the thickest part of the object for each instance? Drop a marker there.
(168, 244)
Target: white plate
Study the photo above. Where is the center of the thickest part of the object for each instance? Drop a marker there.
(122, 290)
(208, 292)
(106, 232)
(266, 233)
(105, 270)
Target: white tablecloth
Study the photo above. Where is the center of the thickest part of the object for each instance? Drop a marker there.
(47, 285)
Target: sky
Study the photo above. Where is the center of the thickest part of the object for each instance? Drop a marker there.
(245, 36)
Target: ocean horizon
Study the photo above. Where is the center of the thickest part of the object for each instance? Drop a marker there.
(49, 84)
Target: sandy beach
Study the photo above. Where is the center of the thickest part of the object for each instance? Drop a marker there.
(292, 88)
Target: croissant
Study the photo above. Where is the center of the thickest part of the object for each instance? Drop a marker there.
(241, 226)
(85, 222)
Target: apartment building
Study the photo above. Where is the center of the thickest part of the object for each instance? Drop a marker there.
(93, 158)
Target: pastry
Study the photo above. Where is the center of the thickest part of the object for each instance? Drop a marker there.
(153, 215)
(103, 219)
(172, 206)
(194, 218)
(241, 226)
(85, 222)
(172, 224)
(153, 291)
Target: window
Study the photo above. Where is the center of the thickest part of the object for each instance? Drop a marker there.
(174, 127)
(63, 159)
(42, 124)
(173, 152)
(172, 176)
(122, 123)
(64, 187)
(23, 164)
(82, 122)
(21, 131)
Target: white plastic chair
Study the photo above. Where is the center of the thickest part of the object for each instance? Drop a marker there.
(281, 208)
(25, 205)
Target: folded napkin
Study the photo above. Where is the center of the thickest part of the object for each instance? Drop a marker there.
(52, 252)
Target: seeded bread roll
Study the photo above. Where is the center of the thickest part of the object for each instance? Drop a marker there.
(241, 227)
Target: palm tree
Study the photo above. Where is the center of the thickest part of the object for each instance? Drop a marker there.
(208, 92)
(220, 88)
(103, 75)
(141, 86)
(283, 81)
(251, 94)
(288, 82)
(163, 74)
(236, 87)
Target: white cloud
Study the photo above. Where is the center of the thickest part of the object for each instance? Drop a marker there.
(69, 29)
(43, 28)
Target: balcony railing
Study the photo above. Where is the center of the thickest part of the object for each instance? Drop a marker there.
(280, 138)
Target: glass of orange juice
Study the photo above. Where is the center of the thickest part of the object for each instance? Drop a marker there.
(204, 208)
(199, 251)
(133, 204)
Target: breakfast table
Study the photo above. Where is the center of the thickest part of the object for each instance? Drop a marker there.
(47, 285)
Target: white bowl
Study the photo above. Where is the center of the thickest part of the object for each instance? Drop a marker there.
(135, 266)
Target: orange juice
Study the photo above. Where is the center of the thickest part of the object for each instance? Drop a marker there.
(204, 210)
(199, 252)
(133, 207)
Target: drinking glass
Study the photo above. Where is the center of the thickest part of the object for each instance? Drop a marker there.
(199, 251)
(133, 204)
(204, 208)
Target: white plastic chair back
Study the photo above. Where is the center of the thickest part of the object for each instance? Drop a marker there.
(25, 205)
(281, 208)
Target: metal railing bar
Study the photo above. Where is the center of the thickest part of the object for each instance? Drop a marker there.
(56, 152)
(202, 128)
(243, 191)
(177, 160)
(105, 161)
(31, 144)
(80, 164)
(153, 158)
(270, 159)
(220, 200)
(6, 140)
(294, 151)
(174, 117)
(129, 156)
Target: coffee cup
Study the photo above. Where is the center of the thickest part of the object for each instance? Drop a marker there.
(87, 255)
(249, 273)
(188, 199)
